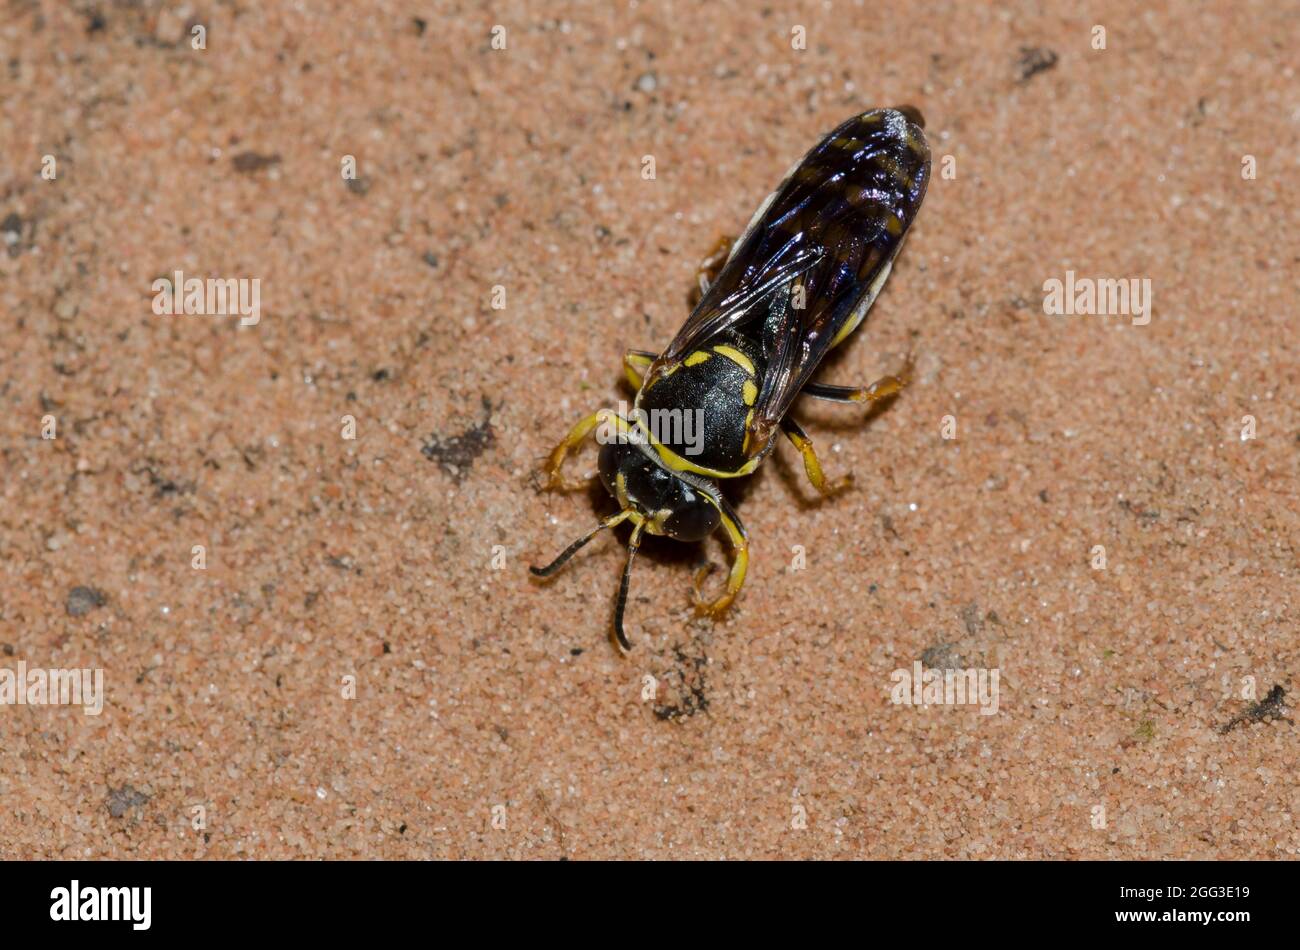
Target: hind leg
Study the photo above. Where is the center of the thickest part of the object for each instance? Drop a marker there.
(709, 268)
(881, 389)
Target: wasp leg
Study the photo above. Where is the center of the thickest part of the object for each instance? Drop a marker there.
(708, 270)
(739, 565)
(556, 481)
(635, 363)
(882, 388)
(811, 464)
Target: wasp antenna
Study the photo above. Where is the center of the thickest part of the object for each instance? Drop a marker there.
(573, 548)
(633, 543)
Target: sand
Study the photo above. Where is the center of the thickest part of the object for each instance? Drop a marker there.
(360, 666)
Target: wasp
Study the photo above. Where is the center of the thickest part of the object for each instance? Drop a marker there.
(772, 304)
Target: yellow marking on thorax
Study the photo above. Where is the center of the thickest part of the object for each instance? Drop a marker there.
(737, 357)
(620, 486)
(678, 464)
(659, 375)
(744, 443)
(749, 392)
(696, 358)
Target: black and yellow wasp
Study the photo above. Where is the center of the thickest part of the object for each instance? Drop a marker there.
(797, 283)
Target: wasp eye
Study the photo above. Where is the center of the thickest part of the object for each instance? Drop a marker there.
(692, 519)
(611, 456)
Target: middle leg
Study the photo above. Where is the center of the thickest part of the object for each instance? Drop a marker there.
(811, 464)
(635, 364)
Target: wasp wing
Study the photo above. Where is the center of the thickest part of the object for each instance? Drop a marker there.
(730, 302)
(816, 254)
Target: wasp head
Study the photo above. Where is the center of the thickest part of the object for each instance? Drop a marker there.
(654, 500)
(666, 503)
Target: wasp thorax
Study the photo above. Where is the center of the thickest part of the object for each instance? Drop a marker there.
(670, 505)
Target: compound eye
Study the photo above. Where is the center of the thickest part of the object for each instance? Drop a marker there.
(692, 520)
(611, 460)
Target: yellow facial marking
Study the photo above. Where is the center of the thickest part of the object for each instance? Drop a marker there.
(656, 523)
(749, 392)
(733, 354)
(696, 358)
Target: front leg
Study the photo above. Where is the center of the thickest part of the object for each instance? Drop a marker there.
(557, 482)
(739, 566)
(811, 464)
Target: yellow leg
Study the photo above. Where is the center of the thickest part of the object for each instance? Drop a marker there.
(739, 565)
(635, 364)
(882, 388)
(811, 464)
(710, 267)
(556, 481)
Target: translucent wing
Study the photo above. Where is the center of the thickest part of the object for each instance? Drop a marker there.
(816, 254)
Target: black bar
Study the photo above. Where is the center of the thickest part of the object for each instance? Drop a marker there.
(331, 900)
